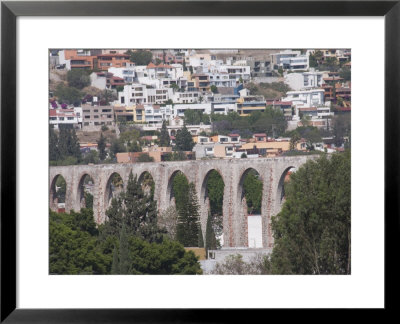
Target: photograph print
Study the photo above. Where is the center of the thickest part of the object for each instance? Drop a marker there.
(199, 161)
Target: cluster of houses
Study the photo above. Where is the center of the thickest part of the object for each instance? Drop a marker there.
(208, 81)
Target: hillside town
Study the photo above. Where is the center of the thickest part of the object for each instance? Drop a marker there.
(233, 103)
(200, 161)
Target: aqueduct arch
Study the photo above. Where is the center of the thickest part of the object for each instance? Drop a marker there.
(271, 171)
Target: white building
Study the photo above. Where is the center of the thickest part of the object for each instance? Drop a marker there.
(127, 73)
(305, 98)
(186, 97)
(290, 60)
(67, 117)
(305, 80)
(154, 114)
(136, 93)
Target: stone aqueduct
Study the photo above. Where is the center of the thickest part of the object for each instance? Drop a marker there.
(271, 170)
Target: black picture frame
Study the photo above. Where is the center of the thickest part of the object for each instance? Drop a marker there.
(10, 10)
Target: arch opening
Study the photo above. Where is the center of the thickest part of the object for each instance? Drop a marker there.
(283, 180)
(147, 183)
(212, 197)
(58, 192)
(177, 184)
(115, 185)
(251, 199)
(86, 191)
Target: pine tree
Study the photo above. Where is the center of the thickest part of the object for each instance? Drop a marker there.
(101, 146)
(75, 148)
(184, 140)
(124, 261)
(140, 212)
(211, 242)
(63, 140)
(54, 153)
(115, 217)
(134, 208)
(164, 137)
(188, 220)
(115, 262)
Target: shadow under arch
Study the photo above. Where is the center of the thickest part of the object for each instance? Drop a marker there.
(280, 192)
(146, 180)
(58, 192)
(251, 220)
(114, 187)
(85, 187)
(210, 212)
(170, 187)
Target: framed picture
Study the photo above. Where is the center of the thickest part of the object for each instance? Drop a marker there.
(369, 28)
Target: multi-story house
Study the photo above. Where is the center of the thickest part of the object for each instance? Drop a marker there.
(105, 80)
(248, 104)
(186, 97)
(96, 116)
(78, 59)
(106, 61)
(135, 94)
(202, 82)
(70, 118)
(305, 80)
(306, 98)
(290, 60)
(127, 72)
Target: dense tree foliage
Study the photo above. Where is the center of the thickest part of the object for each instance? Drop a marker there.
(73, 247)
(140, 57)
(271, 121)
(235, 265)
(341, 129)
(195, 117)
(64, 146)
(252, 187)
(78, 79)
(137, 210)
(68, 95)
(129, 242)
(188, 230)
(101, 147)
(184, 140)
(164, 136)
(312, 232)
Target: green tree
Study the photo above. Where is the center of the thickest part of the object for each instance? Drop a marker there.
(140, 212)
(183, 140)
(115, 262)
(73, 247)
(312, 231)
(101, 146)
(88, 200)
(214, 89)
(345, 73)
(193, 117)
(211, 240)
(140, 57)
(124, 258)
(294, 140)
(144, 157)
(341, 128)
(188, 219)
(252, 187)
(78, 78)
(164, 136)
(54, 153)
(68, 95)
